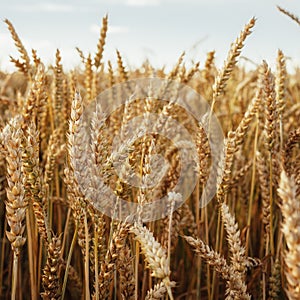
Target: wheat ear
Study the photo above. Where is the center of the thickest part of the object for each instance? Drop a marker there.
(16, 203)
(290, 208)
(231, 61)
(101, 42)
(23, 66)
(236, 289)
(50, 278)
(289, 14)
(155, 255)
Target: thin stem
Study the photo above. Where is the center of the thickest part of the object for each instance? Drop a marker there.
(137, 255)
(14, 276)
(169, 234)
(86, 259)
(167, 284)
(69, 262)
(217, 245)
(66, 231)
(31, 253)
(115, 285)
(198, 266)
(207, 242)
(2, 258)
(96, 264)
(40, 260)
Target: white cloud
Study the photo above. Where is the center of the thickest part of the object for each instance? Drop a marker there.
(40, 44)
(117, 29)
(44, 7)
(143, 2)
(111, 29)
(5, 38)
(172, 2)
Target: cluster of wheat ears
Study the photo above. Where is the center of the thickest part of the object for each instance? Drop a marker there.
(56, 245)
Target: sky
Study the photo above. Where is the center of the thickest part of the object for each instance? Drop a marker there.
(158, 30)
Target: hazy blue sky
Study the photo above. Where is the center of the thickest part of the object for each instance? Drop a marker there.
(156, 29)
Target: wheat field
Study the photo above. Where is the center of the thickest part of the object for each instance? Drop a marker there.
(56, 244)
